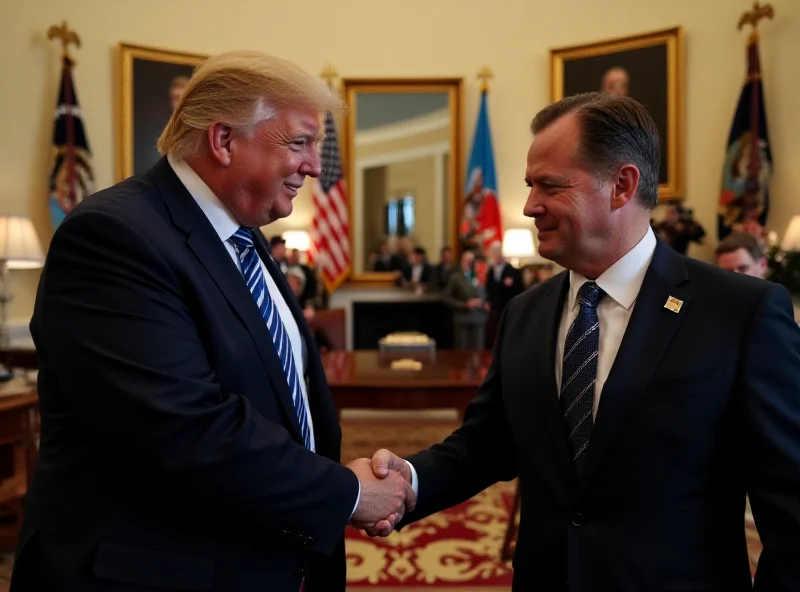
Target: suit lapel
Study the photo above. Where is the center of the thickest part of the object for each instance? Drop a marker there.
(547, 318)
(650, 331)
(204, 242)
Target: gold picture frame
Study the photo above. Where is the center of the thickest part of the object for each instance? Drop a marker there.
(452, 88)
(655, 58)
(146, 77)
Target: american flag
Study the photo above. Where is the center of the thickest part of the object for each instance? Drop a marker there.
(330, 229)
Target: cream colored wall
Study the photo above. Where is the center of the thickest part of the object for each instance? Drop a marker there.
(456, 38)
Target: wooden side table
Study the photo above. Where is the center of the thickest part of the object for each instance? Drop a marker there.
(19, 432)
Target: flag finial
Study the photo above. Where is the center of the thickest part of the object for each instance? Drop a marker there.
(66, 35)
(751, 17)
(484, 74)
(328, 74)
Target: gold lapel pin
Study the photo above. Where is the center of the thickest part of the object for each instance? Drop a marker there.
(673, 304)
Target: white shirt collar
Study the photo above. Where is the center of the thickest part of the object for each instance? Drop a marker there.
(220, 217)
(623, 280)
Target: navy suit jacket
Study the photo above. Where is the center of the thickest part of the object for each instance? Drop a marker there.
(701, 406)
(171, 457)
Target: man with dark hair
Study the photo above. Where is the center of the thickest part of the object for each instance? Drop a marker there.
(743, 253)
(277, 247)
(418, 273)
(638, 395)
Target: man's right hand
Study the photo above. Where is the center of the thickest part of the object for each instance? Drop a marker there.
(382, 498)
(385, 464)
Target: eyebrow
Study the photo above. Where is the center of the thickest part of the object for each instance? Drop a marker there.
(547, 180)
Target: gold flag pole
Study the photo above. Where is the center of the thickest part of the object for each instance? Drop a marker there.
(484, 75)
(67, 36)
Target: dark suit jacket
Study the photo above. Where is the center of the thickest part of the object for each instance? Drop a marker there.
(455, 295)
(700, 407)
(171, 457)
(426, 277)
(500, 293)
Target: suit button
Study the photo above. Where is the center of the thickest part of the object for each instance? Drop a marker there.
(578, 519)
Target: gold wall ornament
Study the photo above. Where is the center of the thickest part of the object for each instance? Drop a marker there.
(751, 17)
(329, 74)
(67, 37)
(484, 75)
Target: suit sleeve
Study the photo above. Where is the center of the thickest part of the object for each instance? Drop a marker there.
(477, 455)
(771, 389)
(112, 327)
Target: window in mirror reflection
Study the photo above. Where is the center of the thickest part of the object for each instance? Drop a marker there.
(400, 217)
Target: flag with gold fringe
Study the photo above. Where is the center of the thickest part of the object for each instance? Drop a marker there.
(744, 200)
(72, 173)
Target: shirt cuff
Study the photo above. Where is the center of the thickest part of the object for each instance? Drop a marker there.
(358, 499)
(414, 480)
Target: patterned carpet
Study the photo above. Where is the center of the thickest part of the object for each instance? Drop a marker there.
(454, 550)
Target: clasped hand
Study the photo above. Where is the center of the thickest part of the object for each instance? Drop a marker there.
(386, 493)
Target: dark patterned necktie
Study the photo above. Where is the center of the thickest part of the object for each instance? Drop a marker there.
(579, 371)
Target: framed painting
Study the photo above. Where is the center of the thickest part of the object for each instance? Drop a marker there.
(647, 67)
(151, 82)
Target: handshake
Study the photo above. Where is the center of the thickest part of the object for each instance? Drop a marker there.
(386, 493)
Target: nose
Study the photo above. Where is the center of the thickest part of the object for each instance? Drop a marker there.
(312, 165)
(534, 206)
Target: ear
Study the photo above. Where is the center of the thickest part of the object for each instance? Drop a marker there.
(625, 186)
(220, 142)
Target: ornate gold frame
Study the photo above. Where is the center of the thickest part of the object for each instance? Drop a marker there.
(672, 38)
(454, 88)
(127, 53)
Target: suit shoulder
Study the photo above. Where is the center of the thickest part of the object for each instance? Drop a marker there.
(716, 282)
(127, 199)
(134, 202)
(531, 295)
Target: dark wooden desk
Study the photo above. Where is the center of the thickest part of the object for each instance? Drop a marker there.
(366, 380)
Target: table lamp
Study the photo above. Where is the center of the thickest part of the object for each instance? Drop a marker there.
(297, 239)
(791, 238)
(518, 245)
(19, 249)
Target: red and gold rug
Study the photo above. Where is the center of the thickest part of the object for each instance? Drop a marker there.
(456, 549)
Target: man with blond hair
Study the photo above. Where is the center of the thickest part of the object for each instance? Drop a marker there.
(189, 440)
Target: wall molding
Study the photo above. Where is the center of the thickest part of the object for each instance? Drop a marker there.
(403, 129)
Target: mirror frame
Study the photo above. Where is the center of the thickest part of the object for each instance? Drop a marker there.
(454, 88)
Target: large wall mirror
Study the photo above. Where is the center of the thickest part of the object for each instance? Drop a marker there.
(402, 150)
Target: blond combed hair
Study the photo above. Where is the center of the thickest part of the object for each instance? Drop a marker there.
(241, 89)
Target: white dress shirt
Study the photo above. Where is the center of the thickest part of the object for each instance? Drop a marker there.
(225, 225)
(621, 283)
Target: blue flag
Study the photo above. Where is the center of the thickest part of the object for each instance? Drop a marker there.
(744, 200)
(72, 175)
(480, 219)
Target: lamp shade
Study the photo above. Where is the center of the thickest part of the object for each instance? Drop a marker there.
(518, 243)
(791, 238)
(297, 239)
(19, 243)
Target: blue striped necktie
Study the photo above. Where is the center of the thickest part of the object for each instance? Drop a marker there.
(579, 372)
(250, 262)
